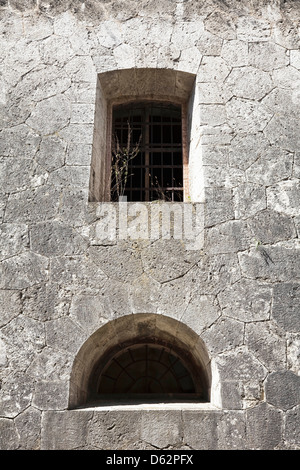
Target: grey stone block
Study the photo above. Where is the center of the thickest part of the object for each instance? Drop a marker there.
(283, 390)
(263, 427)
(71, 429)
(286, 304)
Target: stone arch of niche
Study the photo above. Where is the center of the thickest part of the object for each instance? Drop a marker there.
(129, 85)
(133, 331)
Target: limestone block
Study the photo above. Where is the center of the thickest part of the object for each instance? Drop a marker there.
(283, 131)
(189, 60)
(273, 165)
(228, 237)
(221, 24)
(286, 305)
(10, 305)
(50, 115)
(21, 57)
(15, 395)
(232, 431)
(65, 335)
(218, 206)
(75, 272)
(209, 44)
(75, 199)
(37, 30)
(49, 395)
(144, 293)
(71, 429)
(293, 350)
(246, 301)
(28, 426)
(232, 393)
(23, 271)
(295, 58)
(266, 344)
(22, 6)
(115, 297)
(25, 207)
(118, 262)
(24, 337)
(114, 429)
(201, 312)
(212, 93)
(51, 365)
(247, 116)
(212, 69)
(56, 50)
(218, 176)
(267, 56)
(291, 433)
(165, 260)
(215, 155)
(79, 154)
(42, 82)
(162, 429)
(212, 115)
(253, 29)
(13, 239)
(19, 141)
(200, 429)
(263, 426)
(240, 365)
(286, 34)
(224, 335)
(269, 227)
(82, 113)
(23, 174)
(186, 34)
(72, 176)
(283, 390)
(56, 239)
(52, 153)
(249, 82)
(9, 437)
(244, 150)
(235, 53)
(284, 197)
(214, 273)
(75, 134)
(276, 263)
(125, 56)
(82, 69)
(89, 311)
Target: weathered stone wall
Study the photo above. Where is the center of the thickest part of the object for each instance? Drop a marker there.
(59, 284)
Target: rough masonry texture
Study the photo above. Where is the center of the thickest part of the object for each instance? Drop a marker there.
(67, 295)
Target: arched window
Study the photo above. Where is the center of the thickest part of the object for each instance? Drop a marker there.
(149, 358)
(147, 370)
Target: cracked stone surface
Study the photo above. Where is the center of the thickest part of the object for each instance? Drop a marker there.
(65, 291)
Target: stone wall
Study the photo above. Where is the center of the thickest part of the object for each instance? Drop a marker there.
(60, 284)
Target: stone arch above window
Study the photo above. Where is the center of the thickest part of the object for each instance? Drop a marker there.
(120, 87)
(145, 357)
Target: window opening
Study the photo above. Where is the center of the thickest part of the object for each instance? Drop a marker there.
(146, 370)
(147, 159)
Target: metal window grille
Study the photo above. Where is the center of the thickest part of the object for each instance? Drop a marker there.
(146, 369)
(156, 172)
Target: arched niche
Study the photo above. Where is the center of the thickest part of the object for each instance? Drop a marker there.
(138, 335)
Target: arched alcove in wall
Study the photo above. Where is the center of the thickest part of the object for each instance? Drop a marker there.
(141, 356)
